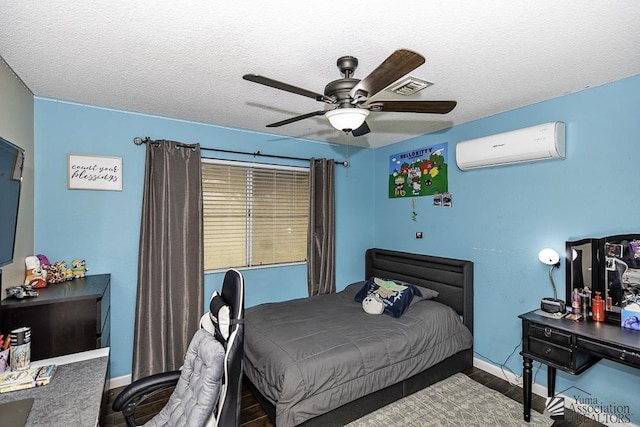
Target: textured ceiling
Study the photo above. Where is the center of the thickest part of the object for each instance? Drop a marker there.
(185, 60)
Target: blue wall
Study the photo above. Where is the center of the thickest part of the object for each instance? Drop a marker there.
(103, 227)
(501, 217)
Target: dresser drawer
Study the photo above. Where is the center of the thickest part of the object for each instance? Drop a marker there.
(548, 334)
(610, 351)
(550, 352)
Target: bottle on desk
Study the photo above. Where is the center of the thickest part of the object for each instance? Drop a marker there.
(576, 306)
(585, 303)
(598, 308)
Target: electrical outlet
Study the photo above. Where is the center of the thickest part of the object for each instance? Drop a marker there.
(418, 234)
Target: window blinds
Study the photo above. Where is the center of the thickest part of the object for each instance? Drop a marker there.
(253, 214)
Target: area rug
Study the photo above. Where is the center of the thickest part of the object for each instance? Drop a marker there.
(455, 401)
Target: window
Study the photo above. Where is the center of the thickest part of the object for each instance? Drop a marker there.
(254, 214)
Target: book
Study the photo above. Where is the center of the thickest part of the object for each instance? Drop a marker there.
(18, 380)
(45, 374)
(28, 378)
(16, 387)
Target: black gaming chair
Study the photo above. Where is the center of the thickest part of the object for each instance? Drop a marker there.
(208, 386)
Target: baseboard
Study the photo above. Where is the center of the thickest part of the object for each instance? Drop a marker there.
(510, 377)
(538, 389)
(119, 381)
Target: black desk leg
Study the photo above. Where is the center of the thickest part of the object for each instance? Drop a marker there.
(551, 381)
(526, 387)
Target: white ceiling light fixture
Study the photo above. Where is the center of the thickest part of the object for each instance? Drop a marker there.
(347, 119)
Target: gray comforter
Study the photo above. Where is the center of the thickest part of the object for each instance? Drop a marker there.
(312, 355)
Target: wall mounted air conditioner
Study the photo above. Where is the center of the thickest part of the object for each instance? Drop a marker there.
(542, 142)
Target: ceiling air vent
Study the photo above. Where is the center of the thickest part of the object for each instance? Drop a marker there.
(409, 85)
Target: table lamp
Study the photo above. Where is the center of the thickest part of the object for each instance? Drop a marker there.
(551, 305)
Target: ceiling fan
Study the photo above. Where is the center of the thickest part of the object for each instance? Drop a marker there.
(350, 100)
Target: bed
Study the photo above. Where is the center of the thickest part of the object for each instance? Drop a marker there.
(323, 361)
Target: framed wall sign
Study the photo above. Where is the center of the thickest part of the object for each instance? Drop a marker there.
(87, 172)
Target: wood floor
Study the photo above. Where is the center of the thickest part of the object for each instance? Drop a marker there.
(252, 414)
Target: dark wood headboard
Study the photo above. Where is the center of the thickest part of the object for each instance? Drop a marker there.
(451, 278)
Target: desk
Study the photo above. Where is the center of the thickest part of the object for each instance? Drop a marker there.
(572, 347)
(74, 396)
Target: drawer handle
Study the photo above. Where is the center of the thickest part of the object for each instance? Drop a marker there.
(548, 350)
(547, 332)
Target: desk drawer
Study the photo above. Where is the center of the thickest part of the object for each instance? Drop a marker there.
(610, 352)
(551, 352)
(548, 334)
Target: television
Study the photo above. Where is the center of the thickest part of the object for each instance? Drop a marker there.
(11, 162)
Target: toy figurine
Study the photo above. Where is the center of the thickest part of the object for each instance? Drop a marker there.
(79, 268)
(21, 292)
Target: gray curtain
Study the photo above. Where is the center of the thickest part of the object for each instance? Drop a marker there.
(170, 266)
(321, 250)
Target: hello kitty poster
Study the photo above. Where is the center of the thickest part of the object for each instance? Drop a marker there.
(420, 172)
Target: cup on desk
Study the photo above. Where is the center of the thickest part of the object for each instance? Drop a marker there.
(20, 348)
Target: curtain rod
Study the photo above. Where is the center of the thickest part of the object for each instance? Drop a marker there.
(139, 141)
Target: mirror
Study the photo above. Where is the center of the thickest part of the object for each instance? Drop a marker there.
(621, 272)
(581, 267)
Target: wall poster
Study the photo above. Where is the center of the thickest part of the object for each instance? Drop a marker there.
(420, 172)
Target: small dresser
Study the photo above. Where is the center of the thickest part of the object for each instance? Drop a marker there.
(65, 318)
(572, 347)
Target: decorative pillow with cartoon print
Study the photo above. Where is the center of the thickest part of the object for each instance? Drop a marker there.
(395, 296)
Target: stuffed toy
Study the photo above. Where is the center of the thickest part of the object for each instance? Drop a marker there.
(78, 266)
(372, 304)
(43, 260)
(67, 273)
(56, 272)
(44, 265)
(34, 275)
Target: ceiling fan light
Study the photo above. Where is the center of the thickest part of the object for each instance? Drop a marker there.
(347, 119)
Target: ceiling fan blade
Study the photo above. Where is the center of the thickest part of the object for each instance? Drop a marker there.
(431, 107)
(297, 118)
(286, 87)
(362, 130)
(400, 62)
